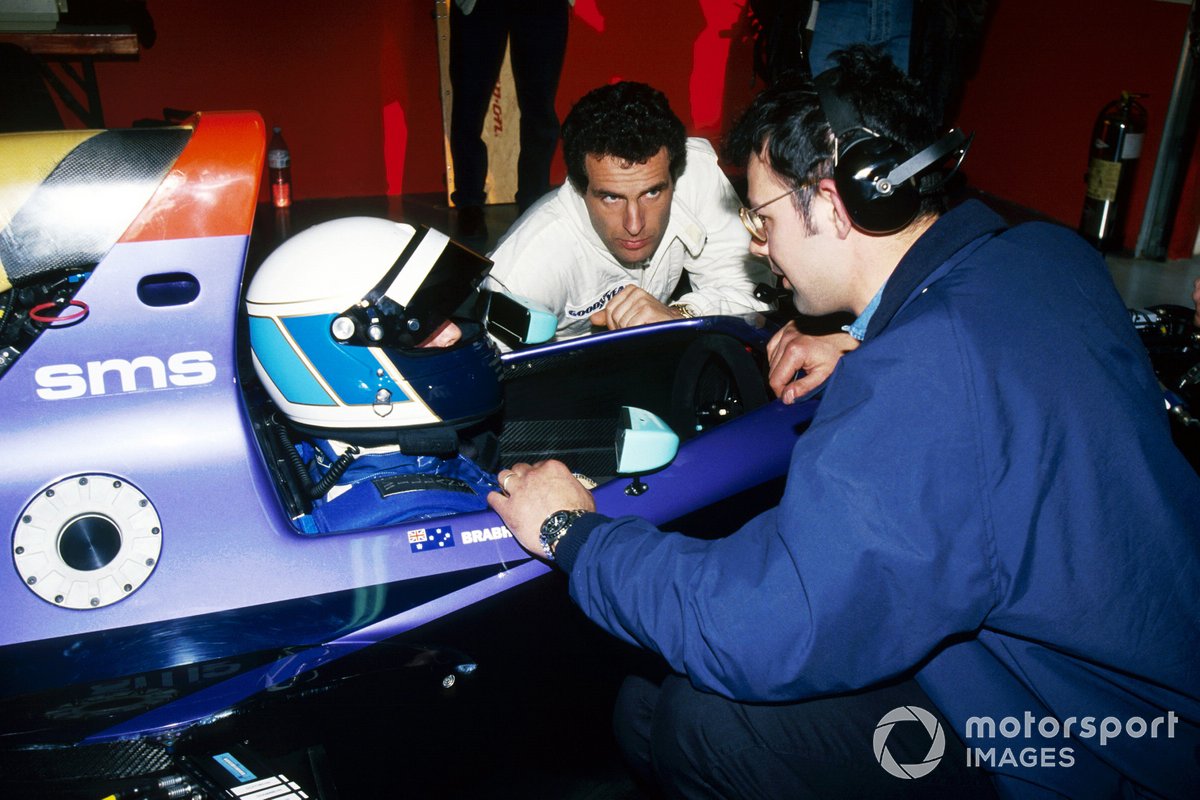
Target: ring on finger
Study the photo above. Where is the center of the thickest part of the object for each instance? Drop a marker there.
(504, 481)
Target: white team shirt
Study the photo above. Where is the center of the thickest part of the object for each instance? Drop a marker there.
(554, 257)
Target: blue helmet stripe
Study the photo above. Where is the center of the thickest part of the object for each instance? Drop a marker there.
(350, 370)
(290, 374)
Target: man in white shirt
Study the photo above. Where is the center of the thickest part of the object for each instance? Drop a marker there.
(643, 206)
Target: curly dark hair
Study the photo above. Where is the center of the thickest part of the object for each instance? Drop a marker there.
(787, 127)
(627, 120)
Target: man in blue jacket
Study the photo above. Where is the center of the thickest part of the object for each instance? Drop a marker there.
(987, 538)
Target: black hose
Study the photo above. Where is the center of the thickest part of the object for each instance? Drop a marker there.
(335, 472)
(300, 469)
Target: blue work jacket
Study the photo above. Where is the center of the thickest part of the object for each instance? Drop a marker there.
(989, 499)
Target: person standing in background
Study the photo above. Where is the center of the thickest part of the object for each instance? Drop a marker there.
(886, 24)
(479, 31)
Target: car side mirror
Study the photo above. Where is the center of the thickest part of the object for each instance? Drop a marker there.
(516, 320)
(644, 444)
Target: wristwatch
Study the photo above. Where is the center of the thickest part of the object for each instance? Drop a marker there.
(686, 310)
(556, 526)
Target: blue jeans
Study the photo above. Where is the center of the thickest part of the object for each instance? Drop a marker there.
(840, 23)
(536, 30)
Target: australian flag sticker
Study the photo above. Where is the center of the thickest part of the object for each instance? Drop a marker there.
(424, 539)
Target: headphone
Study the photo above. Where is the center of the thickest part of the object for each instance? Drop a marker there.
(875, 176)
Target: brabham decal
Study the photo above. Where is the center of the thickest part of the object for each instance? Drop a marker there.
(485, 535)
(579, 313)
(66, 381)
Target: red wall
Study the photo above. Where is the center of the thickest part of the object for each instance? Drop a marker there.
(1046, 70)
(356, 89)
(355, 84)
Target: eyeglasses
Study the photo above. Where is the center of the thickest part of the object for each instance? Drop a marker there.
(755, 223)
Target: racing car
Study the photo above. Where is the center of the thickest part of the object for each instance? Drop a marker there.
(169, 564)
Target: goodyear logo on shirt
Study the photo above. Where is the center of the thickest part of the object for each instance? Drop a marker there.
(587, 311)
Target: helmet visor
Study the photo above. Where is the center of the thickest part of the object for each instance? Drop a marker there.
(430, 282)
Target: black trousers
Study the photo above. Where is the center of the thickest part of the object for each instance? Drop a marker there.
(681, 742)
(538, 32)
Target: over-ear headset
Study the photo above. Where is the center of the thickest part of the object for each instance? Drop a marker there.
(875, 177)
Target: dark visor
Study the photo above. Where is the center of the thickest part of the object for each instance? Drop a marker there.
(383, 321)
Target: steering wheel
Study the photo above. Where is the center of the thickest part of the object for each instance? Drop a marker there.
(718, 378)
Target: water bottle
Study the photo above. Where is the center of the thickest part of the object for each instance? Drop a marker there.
(279, 170)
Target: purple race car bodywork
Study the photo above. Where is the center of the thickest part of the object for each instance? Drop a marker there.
(157, 576)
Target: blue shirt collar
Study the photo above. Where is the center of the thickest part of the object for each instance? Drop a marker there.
(858, 328)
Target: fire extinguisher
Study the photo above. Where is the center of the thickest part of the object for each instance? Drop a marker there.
(1116, 145)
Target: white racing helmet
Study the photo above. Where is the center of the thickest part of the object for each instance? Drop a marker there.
(337, 314)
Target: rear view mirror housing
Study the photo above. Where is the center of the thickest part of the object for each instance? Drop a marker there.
(644, 444)
(517, 320)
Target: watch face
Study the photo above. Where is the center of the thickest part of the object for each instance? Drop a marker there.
(555, 521)
(556, 526)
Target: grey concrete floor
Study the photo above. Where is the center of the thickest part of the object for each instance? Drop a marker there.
(1146, 283)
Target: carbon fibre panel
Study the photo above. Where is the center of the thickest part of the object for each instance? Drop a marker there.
(87, 201)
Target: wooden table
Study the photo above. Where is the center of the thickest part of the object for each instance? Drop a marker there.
(74, 49)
